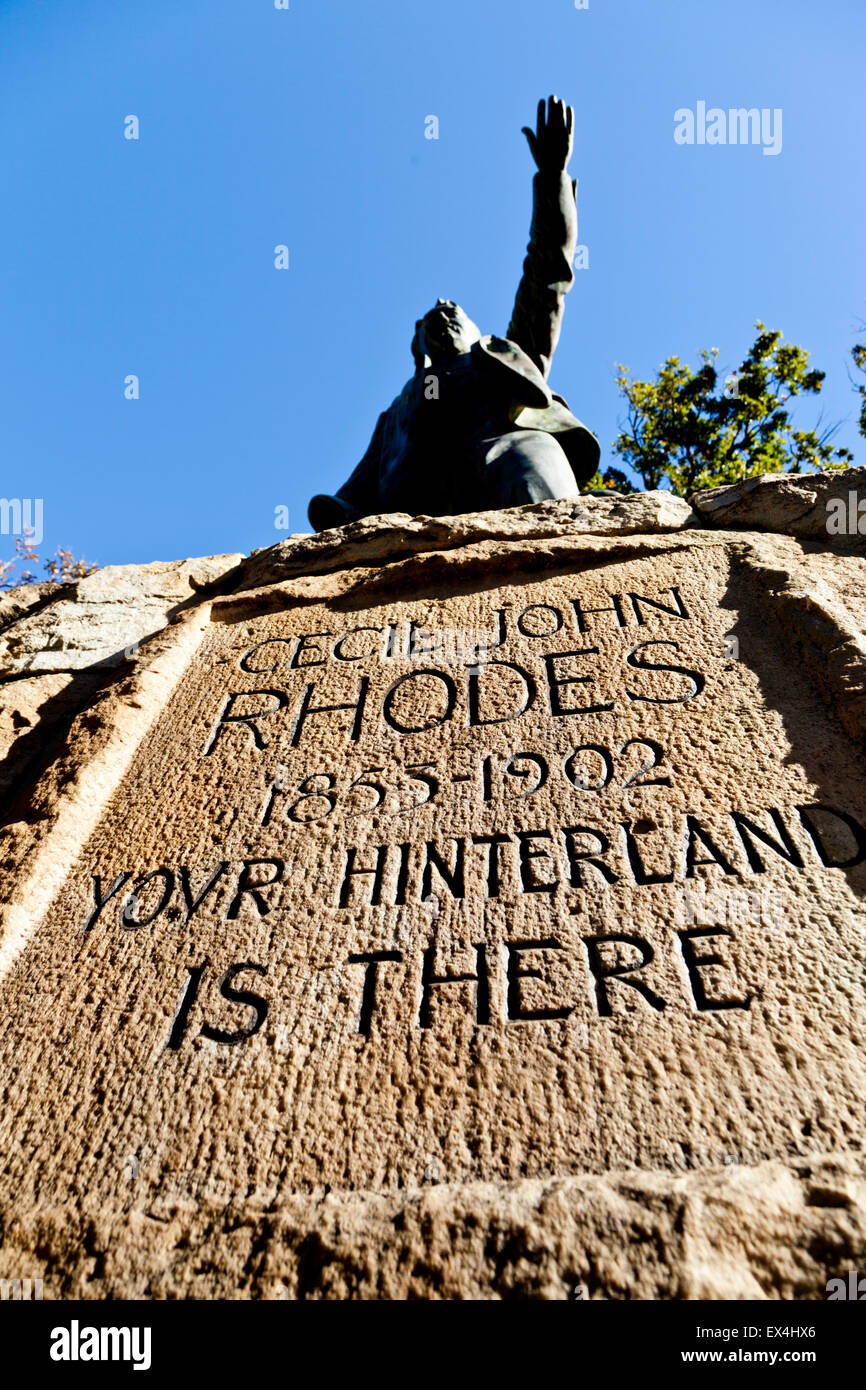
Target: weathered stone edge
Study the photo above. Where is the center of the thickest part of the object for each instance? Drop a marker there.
(786, 1228)
(832, 646)
(793, 504)
(65, 803)
(394, 536)
(788, 504)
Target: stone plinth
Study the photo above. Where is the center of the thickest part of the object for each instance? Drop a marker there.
(460, 907)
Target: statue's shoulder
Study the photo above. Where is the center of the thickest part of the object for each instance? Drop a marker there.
(406, 397)
(501, 354)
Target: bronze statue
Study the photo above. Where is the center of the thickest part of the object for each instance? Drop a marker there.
(477, 426)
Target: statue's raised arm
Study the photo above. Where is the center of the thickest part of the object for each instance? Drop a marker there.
(547, 270)
(477, 425)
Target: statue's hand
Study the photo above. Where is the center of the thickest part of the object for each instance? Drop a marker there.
(552, 141)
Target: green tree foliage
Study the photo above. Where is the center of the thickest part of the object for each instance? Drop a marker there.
(609, 479)
(858, 353)
(684, 432)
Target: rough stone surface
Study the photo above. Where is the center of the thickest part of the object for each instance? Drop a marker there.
(379, 538)
(643, 1074)
(98, 620)
(61, 643)
(757, 1231)
(792, 502)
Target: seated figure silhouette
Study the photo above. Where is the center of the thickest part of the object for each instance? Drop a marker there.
(477, 426)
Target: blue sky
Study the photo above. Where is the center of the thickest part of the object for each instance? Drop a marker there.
(306, 127)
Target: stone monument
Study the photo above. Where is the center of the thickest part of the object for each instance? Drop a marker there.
(444, 907)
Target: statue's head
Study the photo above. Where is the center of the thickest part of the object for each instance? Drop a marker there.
(443, 332)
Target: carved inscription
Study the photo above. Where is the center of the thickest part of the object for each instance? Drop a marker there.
(456, 681)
